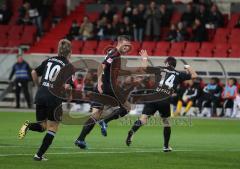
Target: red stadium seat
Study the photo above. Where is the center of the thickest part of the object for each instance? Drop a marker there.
(233, 20)
(3, 31)
(235, 36)
(14, 43)
(90, 45)
(191, 49)
(206, 49)
(93, 16)
(88, 51)
(161, 49)
(103, 47)
(221, 50)
(234, 51)
(176, 17)
(176, 49)
(3, 42)
(149, 46)
(221, 35)
(135, 45)
(76, 46)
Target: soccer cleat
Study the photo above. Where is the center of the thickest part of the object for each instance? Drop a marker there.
(167, 149)
(37, 158)
(81, 144)
(103, 128)
(129, 138)
(23, 130)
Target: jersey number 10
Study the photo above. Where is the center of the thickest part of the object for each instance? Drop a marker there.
(52, 72)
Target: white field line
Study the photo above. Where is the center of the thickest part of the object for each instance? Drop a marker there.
(132, 151)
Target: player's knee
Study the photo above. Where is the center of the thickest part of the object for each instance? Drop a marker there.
(166, 122)
(52, 126)
(96, 113)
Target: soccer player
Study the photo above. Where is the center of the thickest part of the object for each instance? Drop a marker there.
(105, 86)
(46, 102)
(170, 78)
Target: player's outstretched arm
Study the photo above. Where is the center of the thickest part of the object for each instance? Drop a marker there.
(191, 71)
(143, 53)
(35, 77)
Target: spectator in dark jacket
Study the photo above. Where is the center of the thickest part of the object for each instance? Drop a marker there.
(107, 12)
(172, 35)
(5, 14)
(138, 25)
(215, 17)
(74, 31)
(127, 11)
(182, 33)
(199, 32)
(24, 17)
(202, 14)
(188, 17)
(116, 25)
(152, 16)
(126, 27)
(165, 15)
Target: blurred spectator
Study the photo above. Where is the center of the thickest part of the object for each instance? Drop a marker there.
(73, 31)
(172, 35)
(116, 25)
(229, 94)
(35, 15)
(104, 29)
(126, 27)
(127, 10)
(152, 16)
(138, 25)
(188, 99)
(107, 12)
(210, 99)
(5, 14)
(86, 29)
(215, 18)
(238, 23)
(182, 33)
(202, 14)
(22, 72)
(165, 15)
(188, 17)
(236, 106)
(199, 32)
(23, 17)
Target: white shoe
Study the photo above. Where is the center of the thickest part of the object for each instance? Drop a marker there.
(37, 158)
(167, 149)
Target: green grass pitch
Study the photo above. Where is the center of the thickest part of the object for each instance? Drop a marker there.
(206, 144)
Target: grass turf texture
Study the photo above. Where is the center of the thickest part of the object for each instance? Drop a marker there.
(207, 144)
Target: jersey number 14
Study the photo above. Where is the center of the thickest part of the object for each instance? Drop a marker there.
(169, 82)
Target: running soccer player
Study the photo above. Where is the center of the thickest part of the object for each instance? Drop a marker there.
(170, 78)
(104, 87)
(46, 103)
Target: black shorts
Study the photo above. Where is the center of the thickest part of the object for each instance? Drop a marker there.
(48, 107)
(162, 107)
(107, 90)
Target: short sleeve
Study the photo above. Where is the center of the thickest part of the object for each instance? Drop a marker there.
(184, 76)
(40, 68)
(108, 60)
